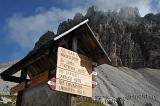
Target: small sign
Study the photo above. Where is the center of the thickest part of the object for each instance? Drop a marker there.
(94, 75)
(73, 88)
(73, 73)
(72, 76)
(52, 83)
(94, 84)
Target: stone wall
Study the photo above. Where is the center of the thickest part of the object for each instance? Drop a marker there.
(42, 96)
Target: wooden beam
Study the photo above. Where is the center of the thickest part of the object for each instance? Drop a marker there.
(38, 79)
(20, 94)
(20, 87)
(23, 75)
(19, 98)
(74, 48)
(74, 44)
(12, 79)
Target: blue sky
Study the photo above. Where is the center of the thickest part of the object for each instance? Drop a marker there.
(22, 22)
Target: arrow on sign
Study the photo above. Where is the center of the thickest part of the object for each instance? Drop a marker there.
(52, 83)
(94, 82)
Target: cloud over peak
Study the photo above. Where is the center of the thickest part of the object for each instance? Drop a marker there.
(26, 30)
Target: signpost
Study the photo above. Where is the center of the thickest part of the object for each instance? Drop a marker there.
(73, 73)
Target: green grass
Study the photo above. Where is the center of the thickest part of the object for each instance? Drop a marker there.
(88, 104)
(12, 97)
(6, 105)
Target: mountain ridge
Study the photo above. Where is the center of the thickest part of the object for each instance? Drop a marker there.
(134, 39)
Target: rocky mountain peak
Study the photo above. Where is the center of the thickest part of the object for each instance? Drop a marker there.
(91, 11)
(7, 64)
(78, 16)
(137, 39)
(129, 12)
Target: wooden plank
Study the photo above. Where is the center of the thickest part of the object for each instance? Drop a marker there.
(73, 88)
(74, 77)
(71, 59)
(19, 98)
(23, 76)
(12, 79)
(38, 79)
(72, 55)
(17, 88)
(77, 69)
(74, 43)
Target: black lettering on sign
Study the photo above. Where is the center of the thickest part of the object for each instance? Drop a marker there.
(67, 89)
(62, 60)
(69, 57)
(65, 77)
(79, 91)
(73, 73)
(67, 67)
(70, 63)
(81, 70)
(70, 84)
(77, 80)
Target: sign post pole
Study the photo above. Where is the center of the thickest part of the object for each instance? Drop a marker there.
(74, 48)
(73, 73)
(20, 93)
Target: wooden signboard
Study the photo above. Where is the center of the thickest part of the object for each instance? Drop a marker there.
(73, 73)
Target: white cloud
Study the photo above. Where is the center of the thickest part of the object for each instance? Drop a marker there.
(143, 5)
(25, 31)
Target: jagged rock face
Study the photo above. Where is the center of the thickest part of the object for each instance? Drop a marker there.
(44, 39)
(129, 12)
(41, 95)
(137, 38)
(147, 35)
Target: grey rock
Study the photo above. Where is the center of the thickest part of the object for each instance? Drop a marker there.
(133, 86)
(78, 16)
(42, 96)
(44, 39)
(129, 12)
